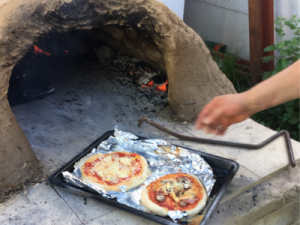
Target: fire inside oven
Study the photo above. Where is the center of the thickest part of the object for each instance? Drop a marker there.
(32, 77)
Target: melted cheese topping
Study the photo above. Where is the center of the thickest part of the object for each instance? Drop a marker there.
(126, 161)
(171, 185)
(111, 168)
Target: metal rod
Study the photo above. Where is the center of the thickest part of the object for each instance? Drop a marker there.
(226, 143)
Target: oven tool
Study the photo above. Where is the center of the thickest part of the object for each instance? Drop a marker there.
(227, 143)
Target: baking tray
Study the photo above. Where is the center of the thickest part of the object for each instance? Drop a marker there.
(224, 171)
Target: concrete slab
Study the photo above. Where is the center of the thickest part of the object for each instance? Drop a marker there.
(250, 206)
(40, 206)
(91, 212)
(269, 159)
(270, 202)
(243, 180)
(86, 209)
(51, 214)
(279, 217)
(119, 217)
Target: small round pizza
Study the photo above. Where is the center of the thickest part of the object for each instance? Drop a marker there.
(178, 191)
(112, 170)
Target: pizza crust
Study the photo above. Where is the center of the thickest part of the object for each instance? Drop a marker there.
(163, 211)
(132, 182)
(147, 203)
(201, 203)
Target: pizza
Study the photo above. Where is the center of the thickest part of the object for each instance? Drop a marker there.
(179, 191)
(112, 170)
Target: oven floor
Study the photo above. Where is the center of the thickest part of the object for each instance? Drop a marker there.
(87, 102)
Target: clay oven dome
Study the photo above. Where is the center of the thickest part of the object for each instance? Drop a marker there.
(147, 29)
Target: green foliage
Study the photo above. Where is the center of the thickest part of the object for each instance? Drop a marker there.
(281, 117)
(228, 65)
(285, 116)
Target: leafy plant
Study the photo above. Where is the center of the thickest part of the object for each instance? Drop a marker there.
(289, 50)
(229, 67)
(285, 116)
(281, 117)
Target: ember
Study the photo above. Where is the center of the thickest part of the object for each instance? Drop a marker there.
(37, 50)
(162, 87)
(152, 83)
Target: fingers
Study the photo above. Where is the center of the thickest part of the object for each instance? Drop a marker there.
(198, 123)
(201, 116)
(213, 123)
(205, 115)
(220, 130)
(212, 119)
(220, 113)
(208, 129)
(220, 125)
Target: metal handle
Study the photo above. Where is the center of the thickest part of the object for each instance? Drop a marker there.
(227, 143)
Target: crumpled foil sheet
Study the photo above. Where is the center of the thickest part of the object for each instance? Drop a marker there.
(162, 157)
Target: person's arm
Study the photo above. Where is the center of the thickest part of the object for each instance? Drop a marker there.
(225, 110)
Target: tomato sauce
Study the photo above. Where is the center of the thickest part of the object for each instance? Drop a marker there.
(169, 203)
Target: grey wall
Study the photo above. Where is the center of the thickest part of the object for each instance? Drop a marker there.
(176, 5)
(226, 21)
(220, 21)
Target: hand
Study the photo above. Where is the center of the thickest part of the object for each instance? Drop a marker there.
(221, 112)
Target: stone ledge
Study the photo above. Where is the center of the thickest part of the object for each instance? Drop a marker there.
(280, 216)
(271, 202)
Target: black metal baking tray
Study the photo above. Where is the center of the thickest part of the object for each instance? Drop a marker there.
(224, 171)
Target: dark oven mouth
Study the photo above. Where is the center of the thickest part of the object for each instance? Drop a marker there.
(48, 64)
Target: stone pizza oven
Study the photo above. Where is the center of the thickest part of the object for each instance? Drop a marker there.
(146, 29)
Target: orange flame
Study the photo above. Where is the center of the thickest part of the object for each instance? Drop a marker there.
(150, 84)
(162, 87)
(38, 50)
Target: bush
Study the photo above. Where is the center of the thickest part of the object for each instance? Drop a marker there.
(228, 66)
(284, 116)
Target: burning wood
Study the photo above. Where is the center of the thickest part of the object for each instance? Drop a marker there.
(162, 87)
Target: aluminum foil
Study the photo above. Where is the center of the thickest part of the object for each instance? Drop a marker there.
(162, 157)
